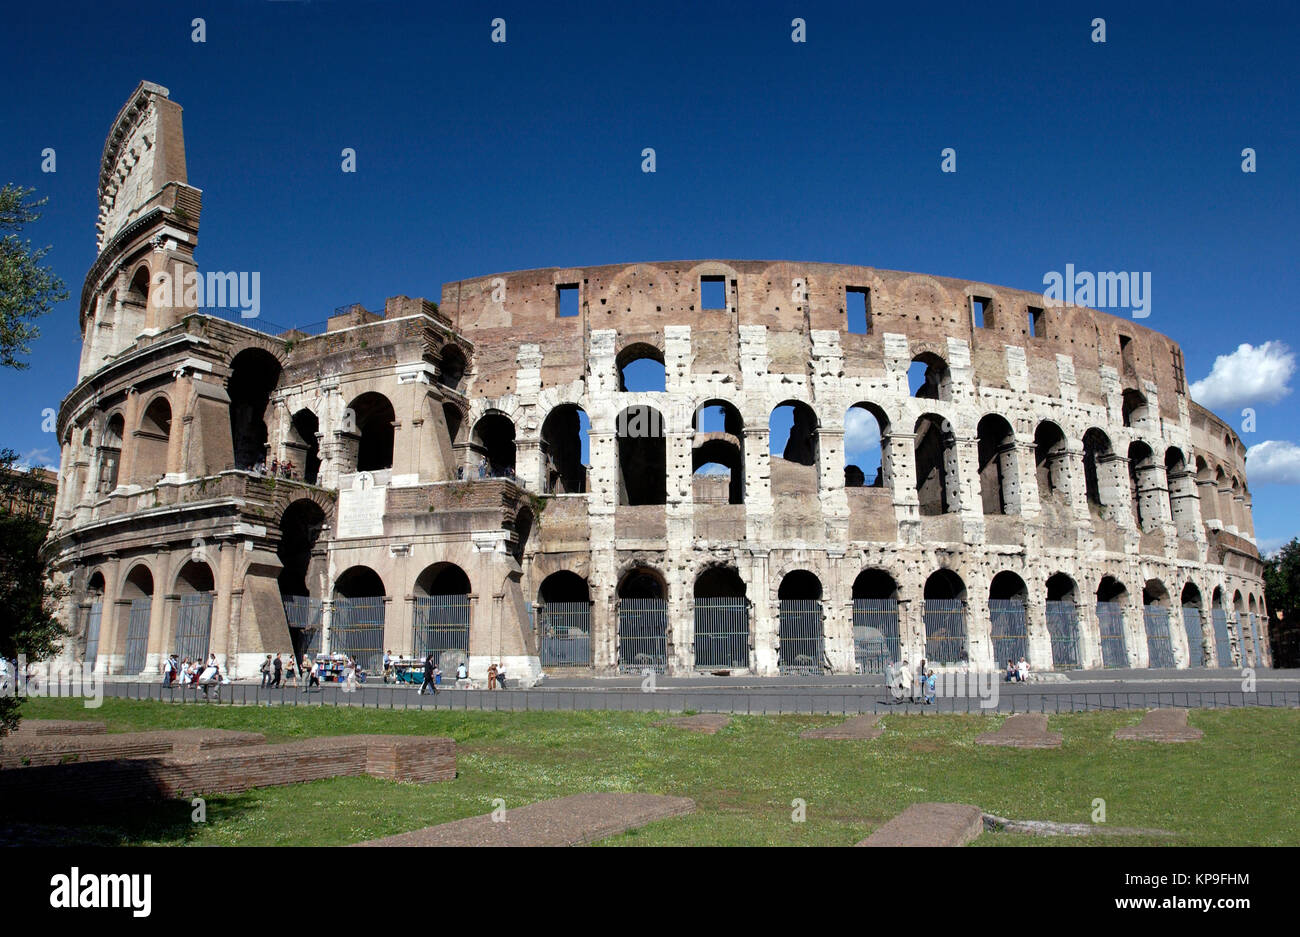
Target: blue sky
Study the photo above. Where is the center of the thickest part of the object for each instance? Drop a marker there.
(476, 157)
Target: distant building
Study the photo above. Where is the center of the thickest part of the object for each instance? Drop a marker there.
(29, 493)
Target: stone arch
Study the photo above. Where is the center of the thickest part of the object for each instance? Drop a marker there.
(254, 374)
(998, 471)
(1133, 407)
(371, 427)
(136, 596)
(642, 456)
(151, 440)
(303, 445)
(565, 449)
(857, 422)
(1144, 486)
(647, 362)
(359, 581)
(110, 451)
(720, 446)
(929, 377)
(1051, 463)
(302, 522)
(642, 581)
(935, 454)
(443, 578)
(453, 365)
(493, 442)
(1097, 452)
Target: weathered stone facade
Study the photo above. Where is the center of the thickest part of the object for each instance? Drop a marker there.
(1057, 447)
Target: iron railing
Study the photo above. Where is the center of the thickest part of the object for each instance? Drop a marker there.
(875, 634)
(945, 631)
(1009, 622)
(802, 642)
(1222, 637)
(194, 626)
(722, 632)
(1160, 648)
(564, 630)
(305, 615)
(94, 617)
(137, 636)
(642, 635)
(357, 630)
(1110, 624)
(440, 626)
(1063, 629)
(1194, 626)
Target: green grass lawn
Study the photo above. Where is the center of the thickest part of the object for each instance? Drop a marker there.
(1235, 786)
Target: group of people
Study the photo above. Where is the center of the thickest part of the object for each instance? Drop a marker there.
(485, 469)
(903, 683)
(285, 469)
(193, 673)
(1017, 671)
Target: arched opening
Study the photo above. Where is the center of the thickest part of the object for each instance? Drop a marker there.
(523, 528)
(793, 432)
(936, 466)
(1097, 452)
(137, 593)
(642, 457)
(718, 454)
(369, 421)
(999, 490)
(110, 453)
(357, 624)
(1063, 621)
(1222, 629)
(801, 638)
(1145, 486)
(136, 314)
(1051, 464)
(1111, 596)
(151, 441)
(493, 440)
(451, 367)
(1207, 492)
(566, 448)
(1256, 641)
(1244, 635)
(641, 368)
(303, 447)
(441, 615)
(866, 455)
(945, 618)
(1133, 407)
(642, 621)
(193, 626)
(1155, 619)
(564, 620)
(876, 640)
(1008, 617)
(721, 619)
(254, 374)
(1194, 626)
(301, 526)
(1182, 492)
(94, 616)
(928, 377)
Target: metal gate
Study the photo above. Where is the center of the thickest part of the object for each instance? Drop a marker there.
(1110, 624)
(194, 626)
(1160, 649)
(1063, 628)
(1195, 628)
(642, 635)
(94, 616)
(875, 634)
(137, 636)
(1222, 638)
(801, 643)
(1254, 639)
(722, 632)
(945, 631)
(1010, 627)
(357, 630)
(440, 626)
(565, 632)
(304, 614)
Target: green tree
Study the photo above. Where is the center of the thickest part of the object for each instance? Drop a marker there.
(28, 290)
(1282, 592)
(28, 624)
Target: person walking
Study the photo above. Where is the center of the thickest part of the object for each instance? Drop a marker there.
(437, 677)
(266, 671)
(919, 683)
(308, 669)
(291, 672)
(428, 676)
(492, 677)
(929, 688)
(501, 676)
(313, 672)
(277, 671)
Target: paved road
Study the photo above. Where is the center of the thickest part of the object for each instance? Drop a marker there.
(1083, 690)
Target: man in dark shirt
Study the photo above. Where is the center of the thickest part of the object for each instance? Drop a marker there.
(428, 676)
(279, 670)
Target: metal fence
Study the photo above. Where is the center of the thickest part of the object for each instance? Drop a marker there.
(945, 631)
(1160, 648)
(1010, 626)
(722, 632)
(1194, 625)
(1110, 624)
(94, 616)
(357, 630)
(440, 626)
(137, 636)
(194, 626)
(801, 641)
(305, 615)
(1063, 629)
(1254, 639)
(642, 635)
(564, 629)
(875, 634)
(1222, 637)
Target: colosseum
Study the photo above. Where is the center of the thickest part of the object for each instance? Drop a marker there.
(481, 476)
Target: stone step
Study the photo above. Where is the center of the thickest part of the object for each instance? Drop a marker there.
(1161, 725)
(930, 824)
(859, 727)
(1022, 730)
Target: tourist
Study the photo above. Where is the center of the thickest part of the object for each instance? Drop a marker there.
(388, 666)
(903, 684)
(492, 677)
(168, 670)
(501, 676)
(462, 671)
(313, 672)
(266, 671)
(290, 673)
(929, 688)
(437, 677)
(1022, 670)
(1011, 670)
(428, 676)
(210, 675)
(4, 676)
(350, 676)
(278, 671)
(919, 683)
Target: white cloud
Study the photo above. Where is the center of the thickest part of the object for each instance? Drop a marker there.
(1274, 461)
(1251, 374)
(861, 438)
(1270, 545)
(40, 457)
